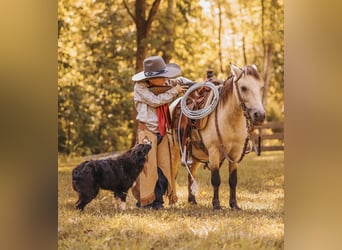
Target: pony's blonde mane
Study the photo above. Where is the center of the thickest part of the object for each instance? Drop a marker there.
(226, 89)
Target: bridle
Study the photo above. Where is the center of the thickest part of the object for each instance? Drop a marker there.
(243, 106)
(246, 114)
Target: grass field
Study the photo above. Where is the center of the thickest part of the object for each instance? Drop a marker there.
(260, 193)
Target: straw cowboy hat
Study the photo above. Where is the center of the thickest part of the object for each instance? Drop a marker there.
(154, 66)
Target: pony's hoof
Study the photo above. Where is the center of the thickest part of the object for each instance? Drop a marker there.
(173, 199)
(235, 208)
(216, 205)
(192, 201)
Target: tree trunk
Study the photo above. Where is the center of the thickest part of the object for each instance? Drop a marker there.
(219, 36)
(267, 46)
(244, 50)
(143, 26)
(168, 46)
(267, 71)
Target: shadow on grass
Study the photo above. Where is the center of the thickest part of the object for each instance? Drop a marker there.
(185, 211)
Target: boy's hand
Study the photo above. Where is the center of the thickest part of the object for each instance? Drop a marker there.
(181, 89)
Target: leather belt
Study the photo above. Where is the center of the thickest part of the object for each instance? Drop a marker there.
(142, 126)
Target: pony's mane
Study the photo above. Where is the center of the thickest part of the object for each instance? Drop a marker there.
(227, 87)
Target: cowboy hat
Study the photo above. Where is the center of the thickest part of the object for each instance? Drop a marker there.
(154, 66)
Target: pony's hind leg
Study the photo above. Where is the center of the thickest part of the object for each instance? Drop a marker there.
(193, 169)
(191, 197)
(232, 185)
(215, 182)
(174, 158)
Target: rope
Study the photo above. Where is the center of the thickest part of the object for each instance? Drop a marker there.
(201, 113)
(194, 185)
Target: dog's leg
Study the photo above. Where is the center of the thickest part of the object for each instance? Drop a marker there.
(85, 198)
(81, 204)
(120, 200)
(123, 197)
(123, 206)
(117, 202)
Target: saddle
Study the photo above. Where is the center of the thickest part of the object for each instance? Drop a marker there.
(188, 128)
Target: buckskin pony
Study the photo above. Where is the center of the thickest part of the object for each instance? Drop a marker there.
(224, 137)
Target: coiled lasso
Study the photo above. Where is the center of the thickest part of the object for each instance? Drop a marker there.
(198, 114)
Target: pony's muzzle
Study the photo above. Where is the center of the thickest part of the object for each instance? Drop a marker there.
(258, 117)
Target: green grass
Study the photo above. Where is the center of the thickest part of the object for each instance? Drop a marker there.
(260, 193)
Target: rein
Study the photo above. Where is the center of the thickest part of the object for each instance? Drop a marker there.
(222, 146)
(249, 125)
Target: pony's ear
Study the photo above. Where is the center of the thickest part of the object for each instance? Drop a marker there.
(254, 67)
(236, 71)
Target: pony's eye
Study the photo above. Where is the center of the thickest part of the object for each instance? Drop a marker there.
(244, 88)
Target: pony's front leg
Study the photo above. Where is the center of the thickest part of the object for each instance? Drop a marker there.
(232, 185)
(215, 182)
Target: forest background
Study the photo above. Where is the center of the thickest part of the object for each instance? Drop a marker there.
(102, 44)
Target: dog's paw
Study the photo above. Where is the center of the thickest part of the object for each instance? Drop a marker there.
(122, 206)
(119, 204)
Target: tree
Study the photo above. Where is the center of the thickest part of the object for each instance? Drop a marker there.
(93, 94)
(143, 26)
(271, 20)
(100, 48)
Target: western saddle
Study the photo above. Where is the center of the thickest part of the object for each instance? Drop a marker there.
(187, 128)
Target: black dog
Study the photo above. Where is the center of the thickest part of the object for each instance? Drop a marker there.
(117, 175)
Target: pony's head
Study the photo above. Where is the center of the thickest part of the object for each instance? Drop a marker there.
(249, 86)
